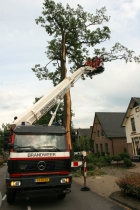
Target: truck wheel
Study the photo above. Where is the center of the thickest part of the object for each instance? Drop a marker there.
(62, 196)
(11, 197)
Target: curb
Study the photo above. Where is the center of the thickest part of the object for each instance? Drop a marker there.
(125, 200)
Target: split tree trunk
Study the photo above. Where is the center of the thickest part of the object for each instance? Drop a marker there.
(67, 116)
(67, 97)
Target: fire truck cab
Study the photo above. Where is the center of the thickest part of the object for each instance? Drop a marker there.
(39, 162)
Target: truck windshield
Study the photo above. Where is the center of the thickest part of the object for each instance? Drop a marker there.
(40, 142)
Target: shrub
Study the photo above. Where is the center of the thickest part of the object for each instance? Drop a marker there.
(117, 158)
(130, 184)
(90, 158)
(127, 162)
(77, 173)
(103, 154)
(108, 159)
(100, 162)
(124, 155)
(97, 154)
(90, 166)
(108, 153)
(77, 157)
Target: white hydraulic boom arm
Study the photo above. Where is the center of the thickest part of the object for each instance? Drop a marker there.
(42, 106)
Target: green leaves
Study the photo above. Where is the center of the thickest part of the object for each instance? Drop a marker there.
(118, 51)
(78, 27)
(75, 26)
(46, 118)
(1, 138)
(84, 143)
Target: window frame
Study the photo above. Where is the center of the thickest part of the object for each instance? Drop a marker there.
(102, 133)
(106, 147)
(98, 133)
(101, 147)
(133, 126)
(97, 149)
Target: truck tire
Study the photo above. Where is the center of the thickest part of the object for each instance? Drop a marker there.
(62, 196)
(11, 197)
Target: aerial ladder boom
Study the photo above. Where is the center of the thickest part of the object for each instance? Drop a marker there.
(42, 106)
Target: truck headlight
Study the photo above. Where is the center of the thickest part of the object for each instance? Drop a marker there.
(15, 183)
(64, 180)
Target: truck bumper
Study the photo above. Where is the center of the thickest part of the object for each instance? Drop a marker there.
(40, 192)
(30, 188)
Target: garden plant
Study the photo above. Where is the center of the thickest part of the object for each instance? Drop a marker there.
(130, 184)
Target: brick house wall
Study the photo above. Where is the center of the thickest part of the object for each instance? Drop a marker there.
(118, 145)
(104, 144)
(113, 146)
(100, 141)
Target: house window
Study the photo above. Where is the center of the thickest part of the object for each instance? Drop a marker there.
(102, 133)
(106, 147)
(98, 133)
(96, 147)
(101, 147)
(133, 124)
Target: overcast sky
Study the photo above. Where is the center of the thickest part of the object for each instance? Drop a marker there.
(23, 43)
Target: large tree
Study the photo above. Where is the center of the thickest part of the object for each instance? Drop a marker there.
(72, 36)
(1, 141)
(4, 128)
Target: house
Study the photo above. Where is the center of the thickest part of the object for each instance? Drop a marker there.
(107, 133)
(77, 133)
(84, 132)
(131, 122)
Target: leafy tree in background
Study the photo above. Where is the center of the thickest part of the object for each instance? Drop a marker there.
(73, 33)
(45, 119)
(4, 128)
(1, 141)
(83, 144)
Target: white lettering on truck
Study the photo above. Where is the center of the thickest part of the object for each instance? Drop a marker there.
(43, 154)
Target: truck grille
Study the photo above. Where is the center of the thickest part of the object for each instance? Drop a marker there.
(16, 166)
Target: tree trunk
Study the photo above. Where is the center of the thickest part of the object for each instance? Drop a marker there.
(67, 115)
(67, 98)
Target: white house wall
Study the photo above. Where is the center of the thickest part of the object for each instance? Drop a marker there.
(128, 128)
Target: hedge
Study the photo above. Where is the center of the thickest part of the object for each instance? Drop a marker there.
(130, 184)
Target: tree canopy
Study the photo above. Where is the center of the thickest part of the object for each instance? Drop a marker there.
(1, 140)
(73, 33)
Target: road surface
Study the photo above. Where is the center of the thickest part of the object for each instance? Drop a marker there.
(76, 200)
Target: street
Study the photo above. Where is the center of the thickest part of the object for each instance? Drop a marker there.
(76, 200)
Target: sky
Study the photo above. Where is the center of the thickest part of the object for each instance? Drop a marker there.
(23, 44)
